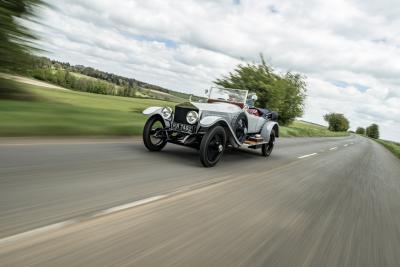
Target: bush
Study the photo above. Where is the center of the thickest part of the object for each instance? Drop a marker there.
(373, 131)
(360, 130)
(337, 122)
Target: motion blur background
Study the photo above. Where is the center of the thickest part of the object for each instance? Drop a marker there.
(347, 52)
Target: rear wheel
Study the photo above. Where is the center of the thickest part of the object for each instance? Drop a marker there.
(212, 146)
(267, 148)
(154, 137)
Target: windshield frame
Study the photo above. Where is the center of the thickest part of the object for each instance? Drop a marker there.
(228, 95)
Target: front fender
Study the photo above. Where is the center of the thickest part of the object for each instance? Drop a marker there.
(152, 110)
(156, 111)
(210, 121)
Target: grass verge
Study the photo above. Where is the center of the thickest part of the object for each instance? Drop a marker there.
(300, 129)
(391, 146)
(40, 111)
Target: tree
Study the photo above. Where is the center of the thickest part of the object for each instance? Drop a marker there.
(15, 43)
(373, 131)
(360, 130)
(15, 39)
(282, 93)
(337, 122)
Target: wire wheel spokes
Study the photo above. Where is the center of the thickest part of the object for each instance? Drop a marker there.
(215, 147)
(241, 130)
(270, 144)
(156, 134)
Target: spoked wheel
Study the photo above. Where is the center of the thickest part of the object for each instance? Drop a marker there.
(154, 137)
(212, 146)
(267, 148)
(240, 127)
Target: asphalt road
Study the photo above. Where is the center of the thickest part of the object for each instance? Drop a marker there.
(314, 202)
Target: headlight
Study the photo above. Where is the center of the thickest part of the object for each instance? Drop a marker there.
(192, 117)
(166, 113)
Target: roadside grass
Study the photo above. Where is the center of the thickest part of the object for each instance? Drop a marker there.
(40, 111)
(304, 129)
(391, 146)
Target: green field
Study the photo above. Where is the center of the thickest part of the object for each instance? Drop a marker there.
(39, 111)
(44, 111)
(298, 129)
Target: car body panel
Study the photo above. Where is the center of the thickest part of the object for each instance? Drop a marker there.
(152, 110)
(218, 107)
(266, 130)
(255, 123)
(209, 121)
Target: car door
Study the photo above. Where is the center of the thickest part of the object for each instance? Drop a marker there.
(255, 123)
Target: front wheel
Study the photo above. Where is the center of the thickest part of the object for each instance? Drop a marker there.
(267, 148)
(212, 146)
(154, 137)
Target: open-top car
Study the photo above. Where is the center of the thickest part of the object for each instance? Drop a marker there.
(227, 118)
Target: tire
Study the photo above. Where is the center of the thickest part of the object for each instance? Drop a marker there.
(212, 146)
(266, 149)
(240, 127)
(151, 142)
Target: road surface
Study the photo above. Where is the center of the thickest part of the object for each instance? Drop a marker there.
(314, 202)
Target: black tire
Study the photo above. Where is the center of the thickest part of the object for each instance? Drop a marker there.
(212, 146)
(240, 125)
(152, 142)
(266, 149)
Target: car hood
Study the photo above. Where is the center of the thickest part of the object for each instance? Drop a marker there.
(217, 107)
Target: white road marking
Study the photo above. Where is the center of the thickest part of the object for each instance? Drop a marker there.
(60, 225)
(36, 231)
(130, 205)
(308, 155)
(333, 148)
(345, 145)
(351, 143)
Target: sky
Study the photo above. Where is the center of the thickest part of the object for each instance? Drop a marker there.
(349, 50)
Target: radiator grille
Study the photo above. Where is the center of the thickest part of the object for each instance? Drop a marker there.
(180, 114)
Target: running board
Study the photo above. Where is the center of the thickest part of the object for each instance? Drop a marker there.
(253, 144)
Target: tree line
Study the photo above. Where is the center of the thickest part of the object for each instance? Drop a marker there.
(338, 122)
(371, 131)
(73, 81)
(129, 85)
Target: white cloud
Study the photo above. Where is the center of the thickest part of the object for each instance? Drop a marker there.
(185, 45)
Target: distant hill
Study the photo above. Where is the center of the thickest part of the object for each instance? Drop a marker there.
(88, 79)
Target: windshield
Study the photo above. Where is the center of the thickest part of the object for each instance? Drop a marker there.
(228, 95)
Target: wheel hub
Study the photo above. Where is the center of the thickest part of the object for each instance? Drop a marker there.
(220, 148)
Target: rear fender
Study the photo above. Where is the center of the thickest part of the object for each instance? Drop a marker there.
(267, 128)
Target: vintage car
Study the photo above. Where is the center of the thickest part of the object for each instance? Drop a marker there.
(226, 118)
